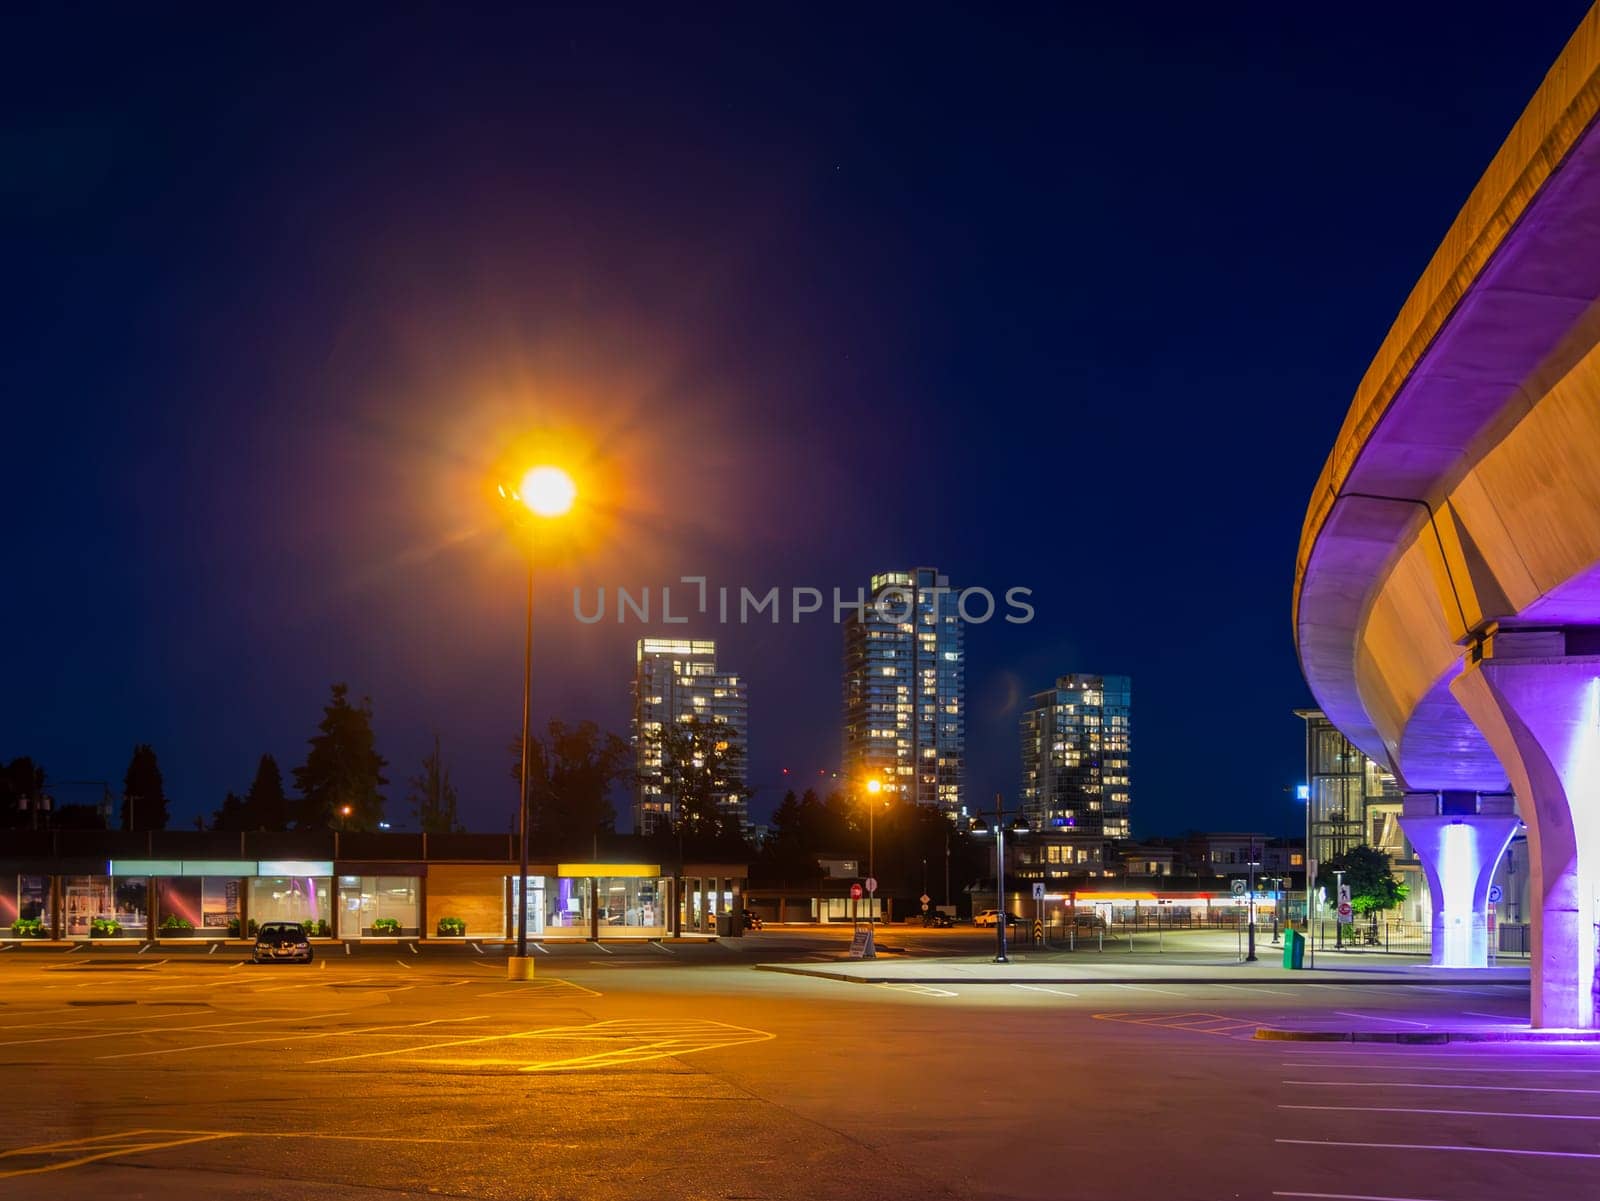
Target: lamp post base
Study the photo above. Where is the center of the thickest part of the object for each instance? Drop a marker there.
(519, 967)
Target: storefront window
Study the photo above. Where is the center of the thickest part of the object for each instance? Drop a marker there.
(536, 905)
(365, 901)
(131, 905)
(84, 898)
(631, 904)
(566, 904)
(291, 899)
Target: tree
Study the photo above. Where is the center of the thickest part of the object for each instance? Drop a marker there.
(1369, 875)
(343, 769)
(232, 815)
(265, 805)
(570, 774)
(77, 817)
(433, 797)
(699, 773)
(144, 797)
(22, 786)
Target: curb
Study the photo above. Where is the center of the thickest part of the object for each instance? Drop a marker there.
(843, 978)
(1430, 1037)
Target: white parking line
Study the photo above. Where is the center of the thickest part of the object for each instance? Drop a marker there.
(1461, 1088)
(412, 947)
(403, 964)
(921, 990)
(1054, 992)
(1378, 1017)
(540, 947)
(1150, 988)
(1498, 1017)
(1319, 1142)
(1453, 1113)
(600, 946)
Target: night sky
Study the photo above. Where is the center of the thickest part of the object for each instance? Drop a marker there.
(1071, 301)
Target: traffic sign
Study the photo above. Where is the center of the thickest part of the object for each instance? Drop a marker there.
(872, 884)
(855, 892)
(1238, 888)
(1038, 890)
(924, 898)
(1346, 912)
(1496, 894)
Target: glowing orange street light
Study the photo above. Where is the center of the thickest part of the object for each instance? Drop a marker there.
(545, 491)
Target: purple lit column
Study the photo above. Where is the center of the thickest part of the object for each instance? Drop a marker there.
(1460, 838)
(1542, 717)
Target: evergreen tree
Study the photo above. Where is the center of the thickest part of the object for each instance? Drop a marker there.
(697, 772)
(343, 769)
(433, 797)
(265, 805)
(144, 797)
(231, 816)
(570, 774)
(22, 786)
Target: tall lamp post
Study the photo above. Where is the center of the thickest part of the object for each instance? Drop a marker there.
(874, 786)
(543, 492)
(981, 827)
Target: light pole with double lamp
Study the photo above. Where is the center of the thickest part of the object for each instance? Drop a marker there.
(981, 828)
(543, 492)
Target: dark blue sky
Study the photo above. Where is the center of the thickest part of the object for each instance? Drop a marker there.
(1070, 300)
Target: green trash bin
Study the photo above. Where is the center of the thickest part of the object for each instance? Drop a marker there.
(1294, 949)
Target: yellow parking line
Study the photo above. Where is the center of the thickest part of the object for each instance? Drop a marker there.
(289, 1038)
(106, 1153)
(67, 1038)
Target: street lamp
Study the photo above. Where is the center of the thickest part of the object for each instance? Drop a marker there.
(874, 786)
(344, 817)
(981, 827)
(544, 491)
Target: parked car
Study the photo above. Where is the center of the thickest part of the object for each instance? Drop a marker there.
(991, 917)
(752, 920)
(937, 919)
(282, 942)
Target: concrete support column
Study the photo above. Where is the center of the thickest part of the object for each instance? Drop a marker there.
(1460, 845)
(1542, 718)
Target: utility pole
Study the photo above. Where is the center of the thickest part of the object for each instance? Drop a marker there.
(1250, 952)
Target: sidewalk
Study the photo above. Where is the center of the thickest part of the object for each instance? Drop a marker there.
(1134, 969)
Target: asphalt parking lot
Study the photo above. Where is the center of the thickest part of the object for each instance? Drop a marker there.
(641, 1071)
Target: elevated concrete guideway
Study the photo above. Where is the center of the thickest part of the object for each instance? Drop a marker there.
(1448, 579)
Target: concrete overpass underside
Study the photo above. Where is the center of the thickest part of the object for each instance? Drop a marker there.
(1447, 591)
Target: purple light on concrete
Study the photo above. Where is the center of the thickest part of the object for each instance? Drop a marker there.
(1458, 871)
(1459, 853)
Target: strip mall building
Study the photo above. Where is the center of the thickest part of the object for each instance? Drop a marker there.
(361, 885)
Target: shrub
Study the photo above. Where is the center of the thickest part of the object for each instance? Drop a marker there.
(386, 925)
(104, 927)
(29, 927)
(250, 927)
(173, 922)
(451, 927)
